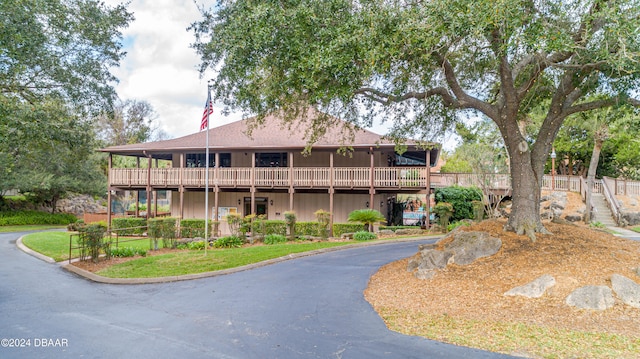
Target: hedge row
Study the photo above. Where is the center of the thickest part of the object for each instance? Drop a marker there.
(129, 226)
(20, 218)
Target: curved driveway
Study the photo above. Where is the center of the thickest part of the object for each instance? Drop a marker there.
(311, 307)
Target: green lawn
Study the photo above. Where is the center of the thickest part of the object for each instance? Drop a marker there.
(56, 244)
(636, 229)
(189, 262)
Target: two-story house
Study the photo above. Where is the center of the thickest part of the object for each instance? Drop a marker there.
(267, 172)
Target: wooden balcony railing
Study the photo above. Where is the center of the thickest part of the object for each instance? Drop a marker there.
(309, 177)
(340, 177)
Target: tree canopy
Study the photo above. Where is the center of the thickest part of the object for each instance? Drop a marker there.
(55, 63)
(419, 63)
(62, 48)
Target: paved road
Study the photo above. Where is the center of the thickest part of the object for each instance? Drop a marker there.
(310, 307)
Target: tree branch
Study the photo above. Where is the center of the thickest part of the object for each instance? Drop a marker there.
(464, 99)
(387, 99)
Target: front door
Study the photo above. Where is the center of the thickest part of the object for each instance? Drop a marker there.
(261, 206)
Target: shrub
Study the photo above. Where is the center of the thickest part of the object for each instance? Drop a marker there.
(228, 242)
(364, 236)
(192, 227)
(395, 228)
(235, 222)
(168, 232)
(19, 218)
(274, 239)
(275, 226)
(290, 219)
(195, 245)
(91, 241)
(341, 228)
(461, 198)
(307, 229)
(324, 218)
(444, 211)
(73, 227)
(367, 217)
(127, 252)
(457, 224)
(129, 226)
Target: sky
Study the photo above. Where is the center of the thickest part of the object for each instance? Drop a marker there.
(161, 68)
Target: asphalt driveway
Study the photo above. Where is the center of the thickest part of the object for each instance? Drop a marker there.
(310, 307)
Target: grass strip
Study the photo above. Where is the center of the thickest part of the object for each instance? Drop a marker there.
(190, 262)
(56, 244)
(519, 339)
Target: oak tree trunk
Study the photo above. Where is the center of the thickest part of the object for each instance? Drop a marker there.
(526, 182)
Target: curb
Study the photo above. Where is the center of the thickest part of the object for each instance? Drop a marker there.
(106, 280)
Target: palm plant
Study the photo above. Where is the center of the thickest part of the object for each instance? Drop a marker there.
(367, 217)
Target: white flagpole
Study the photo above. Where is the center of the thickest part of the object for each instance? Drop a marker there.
(206, 177)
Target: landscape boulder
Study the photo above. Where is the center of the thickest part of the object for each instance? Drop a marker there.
(427, 261)
(626, 289)
(533, 289)
(591, 297)
(469, 246)
(464, 248)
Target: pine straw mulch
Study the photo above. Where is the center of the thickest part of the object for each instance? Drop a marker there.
(574, 255)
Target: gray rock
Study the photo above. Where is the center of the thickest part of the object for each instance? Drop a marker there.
(591, 297)
(533, 289)
(429, 259)
(573, 217)
(630, 218)
(386, 232)
(626, 289)
(469, 246)
(408, 231)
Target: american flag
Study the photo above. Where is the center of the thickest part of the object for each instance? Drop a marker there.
(208, 110)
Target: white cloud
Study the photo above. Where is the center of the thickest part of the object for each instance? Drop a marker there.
(161, 68)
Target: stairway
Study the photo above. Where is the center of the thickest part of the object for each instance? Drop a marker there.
(601, 212)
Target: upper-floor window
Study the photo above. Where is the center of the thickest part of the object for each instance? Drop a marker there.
(271, 159)
(200, 159)
(411, 158)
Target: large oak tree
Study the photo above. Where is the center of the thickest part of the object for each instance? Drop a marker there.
(418, 63)
(56, 58)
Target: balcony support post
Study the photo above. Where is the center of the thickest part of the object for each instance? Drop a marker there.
(110, 163)
(372, 189)
(291, 174)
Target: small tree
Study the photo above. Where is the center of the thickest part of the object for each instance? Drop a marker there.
(367, 217)
(235, 221)
(324, 218)
(444, 211)
(290, 219)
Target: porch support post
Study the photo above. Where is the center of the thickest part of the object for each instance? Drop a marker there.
(149, 163)
(372, 189)
(181, 189)
(291, 174)
(253, 183)
(137, 213)
(155, 197)
(110, 163)
(331, 192)
(428, 176)
(216, 189)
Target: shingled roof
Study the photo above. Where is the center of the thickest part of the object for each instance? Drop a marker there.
(271, 134)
